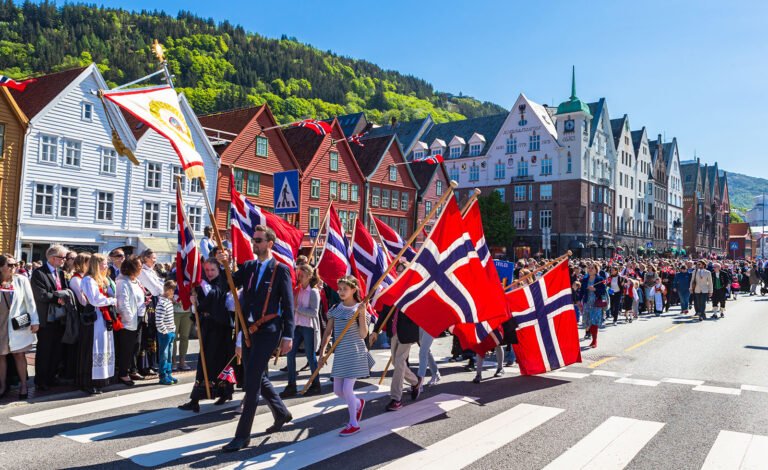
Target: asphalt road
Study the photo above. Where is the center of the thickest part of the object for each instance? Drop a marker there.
(660, 393)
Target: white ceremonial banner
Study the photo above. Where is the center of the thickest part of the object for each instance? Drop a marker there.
(158, 107)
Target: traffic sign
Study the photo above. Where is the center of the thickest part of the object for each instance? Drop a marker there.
(314, 232)
(286, 197)
(734, 246)
(506, 271)
(649, 245)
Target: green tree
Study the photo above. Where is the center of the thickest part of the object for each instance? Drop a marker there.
(497, 220)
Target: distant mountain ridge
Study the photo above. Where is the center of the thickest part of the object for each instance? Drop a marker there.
(742, 189)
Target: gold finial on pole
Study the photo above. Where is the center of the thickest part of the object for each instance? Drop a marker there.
(158, 50)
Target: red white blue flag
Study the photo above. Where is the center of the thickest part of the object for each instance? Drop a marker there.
(355, 139)
(430, 159)
(318, 127)
(189, 268)
(548, 336)
(334, 261)
(446, 283)
(369, 259)
(16, 85)
(392, 240)
(228, 375)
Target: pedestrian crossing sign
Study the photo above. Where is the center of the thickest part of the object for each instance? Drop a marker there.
(286, 196)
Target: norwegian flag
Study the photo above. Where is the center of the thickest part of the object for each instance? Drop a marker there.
(431, 159)
(244, 217)
(392, 240)
(369, 259)
(446, 283)
(355, 139)
(228, 375)
(334, 261)
(548, 336)
(189, 269)
(479, 337)
(16, 85)
(473, 222)
(318, 127)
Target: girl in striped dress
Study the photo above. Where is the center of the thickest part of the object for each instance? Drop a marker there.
(352, 358)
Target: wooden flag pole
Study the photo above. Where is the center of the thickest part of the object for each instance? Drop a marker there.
(317, 238)
(548, 265)
(227, 269)
(469, 202)
(362, 306)
(386, 369)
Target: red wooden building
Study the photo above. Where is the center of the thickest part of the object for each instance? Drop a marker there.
(390, 188)
(252, 154)
(433, 182)
(328, 167)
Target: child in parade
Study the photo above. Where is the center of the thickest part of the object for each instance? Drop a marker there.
(166, 333)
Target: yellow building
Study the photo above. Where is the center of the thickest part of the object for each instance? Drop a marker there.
(13, 126)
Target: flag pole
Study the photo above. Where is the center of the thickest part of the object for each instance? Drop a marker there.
(194, 305)
(539, 269)
(361, 307)
(227, 269)
(386, 369)
(469, 202)
(322, 225)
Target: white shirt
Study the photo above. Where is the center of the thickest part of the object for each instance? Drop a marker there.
(91, 291)
(149, 279)
(74, 285)
(130, 302)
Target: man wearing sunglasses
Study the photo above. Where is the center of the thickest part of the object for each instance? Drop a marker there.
(116, 258)
(267, 305)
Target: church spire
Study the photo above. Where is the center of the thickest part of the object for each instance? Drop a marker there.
(574, 104)
(573, 83)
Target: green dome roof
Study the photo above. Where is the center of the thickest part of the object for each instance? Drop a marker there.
(574, 104)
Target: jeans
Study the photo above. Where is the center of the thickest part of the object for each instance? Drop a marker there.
(425, 355)
(165, 354)
(700, 303)
(307, 336)
(510, 356)
(685, 299)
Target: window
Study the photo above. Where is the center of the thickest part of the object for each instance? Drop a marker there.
(502, 193)
(154, 176)
(534, 143)
(2, 140)
(403, 227)
(404, 202)
(254, 184)
(314, 217)
(43, 199)
(333, 189)
(436, 151)
(500, 171)
(177, 171)
(519, 193)
(375, 197)
(569, 167)
(545, 192)
(195, 186)
(195, 215)
(455, 152)
(511, 145)
(427, 208)
(392, 173)
(519, 220)
(314, 189)
(262, 146)
(108, 161)
(454, 174)
(105, 205)
(344, 191)
(545, 219)
(354, 194)
(395, 200)
(172, 219)
(48, 148)
(474, 150)
(385, 198)
(334, 161)
(522, 168)
(344, 221)
(418, 155)
(352, 219)
(86, 112)
(151, 215)
(546, 166)
(68, 202)
(439, 188)
(474, 173)
(72, 152)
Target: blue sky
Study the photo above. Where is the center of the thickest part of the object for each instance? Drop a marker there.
(693, 70)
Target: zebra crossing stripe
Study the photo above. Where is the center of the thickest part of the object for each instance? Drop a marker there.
(715, 389)
(325, 446)
(104, 404)
(737, 451)
(644, 382)
(610, 446)
(211, 439)
(470, 445)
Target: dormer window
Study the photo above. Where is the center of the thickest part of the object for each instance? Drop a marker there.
(455, 152)
(474, 150)
(418, 155)
(436, 151)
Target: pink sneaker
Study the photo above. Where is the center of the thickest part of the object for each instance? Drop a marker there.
(349, 430)
(360, 410)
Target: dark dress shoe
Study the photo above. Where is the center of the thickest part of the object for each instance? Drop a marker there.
(136, 376)
(279, 423)
(222, 400)
(236, 444)
(315, 389)
(289, 391)
(127, 383)
(23, 396)
(191, 405)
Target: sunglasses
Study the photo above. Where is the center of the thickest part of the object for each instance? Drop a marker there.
(60, 257)
(12, 265)
(118, 256)
(258, 240)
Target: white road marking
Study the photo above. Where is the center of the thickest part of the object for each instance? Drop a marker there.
(565, 375)
(610, 446)
(325, 446)
(609, 373)
(736, 450)
(205, 440)
(721, 390)
(683, 381)
(644, 382)
(472, 444)
(755, 388)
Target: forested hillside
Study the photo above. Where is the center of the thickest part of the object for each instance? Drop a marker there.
(742, 189)
(218, 66)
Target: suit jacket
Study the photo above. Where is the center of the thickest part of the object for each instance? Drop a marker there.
(45, 292)
(254, 296)
(725, 279)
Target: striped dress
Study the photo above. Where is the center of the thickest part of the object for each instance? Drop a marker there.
(351, 358)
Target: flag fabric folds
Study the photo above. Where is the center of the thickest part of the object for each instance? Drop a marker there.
(228, 375)
(355, 139)
(334, 260)
(430, 159)
(158, 107)
(318, 127)
(370, 261)
(548, 335)
(446, 283)
(189, 268)
(15, 84)
(392, 240)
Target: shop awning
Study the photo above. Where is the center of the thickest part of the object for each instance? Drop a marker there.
(158, 244)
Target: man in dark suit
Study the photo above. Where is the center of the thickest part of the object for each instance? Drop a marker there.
(264, 281)
(49, 289)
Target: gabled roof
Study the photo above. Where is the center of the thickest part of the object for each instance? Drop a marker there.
(617, 127)
(653, 149)
(690, 174)
(351, 123)
(545, 115)
(637, 139)
(488, 126)
(303, 143)
(40, 93)
(712, 176)
(738, 230)
(369, 155)
(668, 151)
(233, 121)
(597, 110)
(138, 128)
(407, 132)
(722, 181)
(424, 173)
(5, 92)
